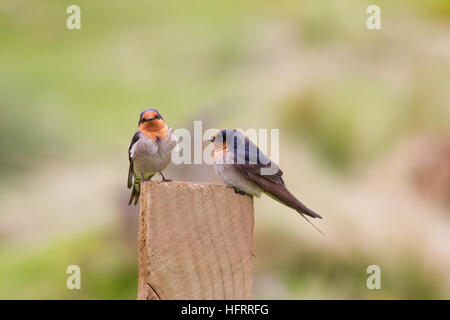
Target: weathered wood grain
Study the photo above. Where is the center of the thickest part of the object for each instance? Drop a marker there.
(195, 242)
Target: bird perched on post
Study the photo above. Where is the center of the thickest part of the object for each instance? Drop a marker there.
(241, 165)
(150, 151)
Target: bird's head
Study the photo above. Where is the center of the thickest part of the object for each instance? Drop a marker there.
(219, 139)
(151, 120)
(227, 137)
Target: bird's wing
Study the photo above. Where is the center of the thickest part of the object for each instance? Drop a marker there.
(130, 158)
(272, 184)
(252, 160)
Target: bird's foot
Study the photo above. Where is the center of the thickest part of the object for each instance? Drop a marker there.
(146, 179)
(236, 190)
(164, 178)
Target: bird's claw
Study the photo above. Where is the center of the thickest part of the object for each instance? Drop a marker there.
(164, 178)
(236, 190)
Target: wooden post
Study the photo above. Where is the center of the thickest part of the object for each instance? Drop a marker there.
(195, 242)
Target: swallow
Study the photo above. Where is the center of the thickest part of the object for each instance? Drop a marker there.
(240, 164)
(150, 151)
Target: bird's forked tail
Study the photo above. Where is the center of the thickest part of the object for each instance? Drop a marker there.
(135, 193)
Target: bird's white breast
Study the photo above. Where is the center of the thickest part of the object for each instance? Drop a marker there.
(152, 156)
(234, 178)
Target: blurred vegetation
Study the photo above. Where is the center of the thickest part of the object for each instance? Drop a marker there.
(310, 274)
(108, 269)
(353, 120)
(62, 92)
(342, 119)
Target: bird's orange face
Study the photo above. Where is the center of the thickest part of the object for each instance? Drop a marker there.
(149, 115)
(220, 145)
(152, 124)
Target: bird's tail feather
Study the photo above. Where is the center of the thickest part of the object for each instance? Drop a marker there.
(300, 208)
(301, 213)
(135, 193)
(136, 187)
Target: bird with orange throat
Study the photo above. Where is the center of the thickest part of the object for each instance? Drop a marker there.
(150, 151)
(240, 164)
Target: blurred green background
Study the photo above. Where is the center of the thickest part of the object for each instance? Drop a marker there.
(364, 120)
